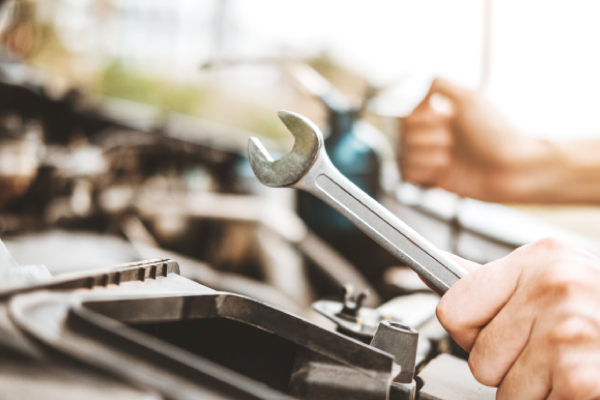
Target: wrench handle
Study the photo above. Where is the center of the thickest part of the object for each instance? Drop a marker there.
(385, 228)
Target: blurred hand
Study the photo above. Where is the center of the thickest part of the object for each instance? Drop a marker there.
(531, 321)
(470, 149)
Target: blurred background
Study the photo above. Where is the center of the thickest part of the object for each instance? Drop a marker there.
(533, 59)
(124, 126)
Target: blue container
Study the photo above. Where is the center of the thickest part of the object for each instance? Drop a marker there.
(355, 159)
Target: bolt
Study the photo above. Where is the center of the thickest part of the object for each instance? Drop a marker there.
(352, 303)
(400, 341)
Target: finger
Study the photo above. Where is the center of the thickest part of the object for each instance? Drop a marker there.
(423, 176)
(513, 324)
(528, 379)
(421, 135)
(474, 300)
(466, 264)
(572, 340)
(427, 113)
(560, 362)
(422, 172)
(579, 382)
(511, 327)
(424, 109)
(426, 158)
(449, 90)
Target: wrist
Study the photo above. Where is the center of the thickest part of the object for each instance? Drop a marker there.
(560, 172)
(529, 172)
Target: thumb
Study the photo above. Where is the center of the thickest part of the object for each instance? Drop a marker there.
(439, 87)
(424, 107)
(468, 265)
(447, 89)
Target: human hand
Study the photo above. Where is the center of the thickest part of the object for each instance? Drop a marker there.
(531, 322)
(470, 149)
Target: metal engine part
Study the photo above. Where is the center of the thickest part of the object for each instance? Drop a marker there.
(146, 332)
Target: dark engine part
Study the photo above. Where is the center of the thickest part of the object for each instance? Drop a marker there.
(146, 332)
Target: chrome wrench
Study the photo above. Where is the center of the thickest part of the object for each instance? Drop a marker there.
(308, 168)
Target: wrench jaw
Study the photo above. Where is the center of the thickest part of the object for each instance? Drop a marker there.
(292, 167)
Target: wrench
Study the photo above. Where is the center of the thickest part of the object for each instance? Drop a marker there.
(308, 168)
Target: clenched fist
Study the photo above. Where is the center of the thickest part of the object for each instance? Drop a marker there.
(531, 322)
(471, 149)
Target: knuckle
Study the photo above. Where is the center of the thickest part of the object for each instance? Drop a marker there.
(558, 280)
(555, 266)
(554, 285)
(577, 382)
(556, 274)
(572, 329)
(550, 244)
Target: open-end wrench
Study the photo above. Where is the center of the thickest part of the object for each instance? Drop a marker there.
(308, 168)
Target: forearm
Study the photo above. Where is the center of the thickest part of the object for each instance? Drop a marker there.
(565, 172)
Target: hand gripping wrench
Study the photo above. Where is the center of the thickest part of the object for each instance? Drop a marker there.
(308, 168)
